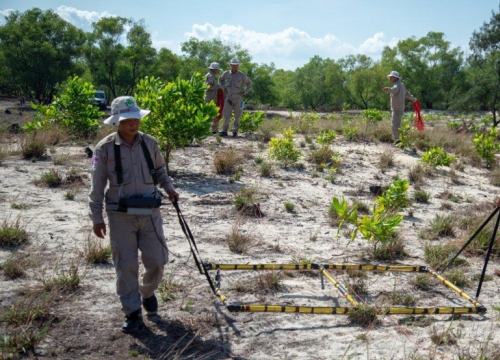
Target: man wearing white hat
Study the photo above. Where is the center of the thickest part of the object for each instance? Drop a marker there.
(126, 167)
(398, 95)
(235, 85)
(211, 91)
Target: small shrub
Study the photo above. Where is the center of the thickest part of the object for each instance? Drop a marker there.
(67, 281)
(437, 157)
(95, 252)
(12, 234)
(51, 178)
(421, 196)
(438, 256)
(364, 315)
(326, 137)
(226, 161)
(371, 115)
(324, 157)
(250, 121)
(386, 160)
(282, 149)
(265, 169)
(457, 277)
(402, 298)
(350, 133)
(14, 267)
(486, 146)
(442, 226)
(418, 172)
(289, 206)
(169, 286)
(33, 145)
(237, 241)
(269, 280)
(423, 282)
(395, 197)
(244, 197)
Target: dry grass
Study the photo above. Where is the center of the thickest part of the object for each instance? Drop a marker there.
(226, 161)
(238, 241)
(12, 233)
(386, 160)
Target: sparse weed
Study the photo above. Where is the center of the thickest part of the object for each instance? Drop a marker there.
(13, 234)
(169, 286)
(62, 159)
(95, 252)
(33, 145)
(442, 226)
(14, 267)
(402, 298)
(423, 282)
(386, 160)
(289, 206)
(442, 337)
(226, 161)
(421, 196)
(51, 178)
(237, 241)
(364, 315)
(66, 281)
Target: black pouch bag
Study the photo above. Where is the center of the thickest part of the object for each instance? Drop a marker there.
(140, 202)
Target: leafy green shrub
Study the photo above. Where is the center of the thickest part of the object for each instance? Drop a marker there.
(396, 196)
(179, 114)
(250, 121)
(372, 115)
(437, 157)
(452, 124)
(282, 149)
(404, 135)
(289, 206)
(486, 146)
(350, 132)
(326, 137)
(72, 110)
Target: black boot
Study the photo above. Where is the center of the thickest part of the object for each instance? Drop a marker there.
(150, 304)
(222, 134)
(132, 322)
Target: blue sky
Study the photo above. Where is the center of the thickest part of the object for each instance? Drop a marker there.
(287, 33)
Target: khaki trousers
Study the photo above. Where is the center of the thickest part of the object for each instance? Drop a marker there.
(228, 109)
(396, 116)
(128, 234)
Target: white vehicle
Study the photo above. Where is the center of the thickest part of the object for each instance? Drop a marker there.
(100, 99)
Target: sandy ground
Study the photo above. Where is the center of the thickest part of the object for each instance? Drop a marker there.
(196, 320)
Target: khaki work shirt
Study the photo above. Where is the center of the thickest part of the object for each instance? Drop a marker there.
(233, 84)
(137, 181)
(211, 92)
(398, 94)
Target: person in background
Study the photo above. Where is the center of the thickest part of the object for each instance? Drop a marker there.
(121, 171)
(211, 92)
(235, 85)
(398, 95)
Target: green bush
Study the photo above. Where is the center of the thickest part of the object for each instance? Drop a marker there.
(179, 114)
(72, 110)
(396, 196)
(326, 137)
(250, 121)
(282, 149)
(486, 146)
(371, 115)
(437, 157)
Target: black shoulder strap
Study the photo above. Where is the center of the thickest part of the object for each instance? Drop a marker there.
(147, 155)
(149, 160)
(118, 164)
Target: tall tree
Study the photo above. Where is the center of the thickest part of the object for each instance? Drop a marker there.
(430, 66)
(40, 51)
(105, 51)
(166, 65)
(485, 58)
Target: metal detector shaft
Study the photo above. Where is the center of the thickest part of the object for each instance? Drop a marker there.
(472, 238)
(493, 236)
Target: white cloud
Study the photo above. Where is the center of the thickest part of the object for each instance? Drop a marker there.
(376, 44)
(80, 18)
(290, 48)
(3, 14)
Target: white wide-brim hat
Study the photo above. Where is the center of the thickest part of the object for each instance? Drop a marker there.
(123, 108)
(395, 74)
(234, 61)
(214, 66)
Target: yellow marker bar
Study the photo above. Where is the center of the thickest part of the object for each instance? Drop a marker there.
(456, 289)
(395, 268)
(347, 310)
(339, 287)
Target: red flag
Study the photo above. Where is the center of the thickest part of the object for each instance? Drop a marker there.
(418, 118)
(220, 102)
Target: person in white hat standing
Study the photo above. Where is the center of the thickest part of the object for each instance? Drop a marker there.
(211, 91)
(235, 85)
(126, 167)
(398, 95)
